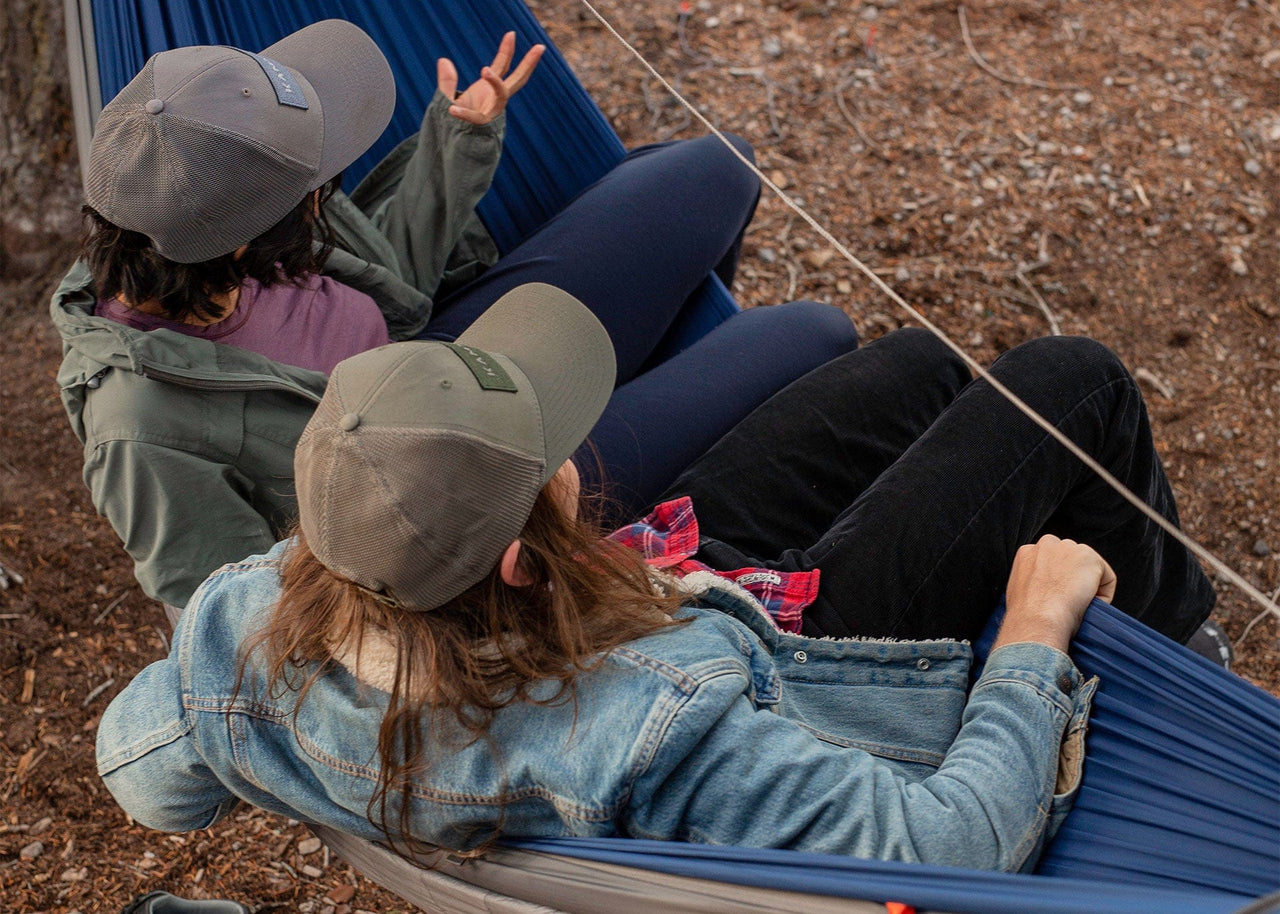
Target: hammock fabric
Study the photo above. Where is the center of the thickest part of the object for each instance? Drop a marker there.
(1180, 806)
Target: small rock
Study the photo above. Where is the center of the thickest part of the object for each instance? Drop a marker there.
(844, 287)
(75, 875)
(819, 258)
(341, 894)
(1253, 167)
(313, 871)
(308, 846)
(1082, 98)
(772, 47)
(1261, 549)
(1238, 266)
(1183, 150)
(869, 13)
(32, 850)
(41, 827)
(768, 255)
(902, 274)
(780, 179)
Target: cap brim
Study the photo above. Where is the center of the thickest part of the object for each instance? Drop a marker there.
(563, 350)
(353, 81)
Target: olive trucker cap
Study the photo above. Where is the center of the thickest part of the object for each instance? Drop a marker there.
(423, 460)
(208, 147)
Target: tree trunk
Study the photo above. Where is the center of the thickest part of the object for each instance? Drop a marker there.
(39, 170)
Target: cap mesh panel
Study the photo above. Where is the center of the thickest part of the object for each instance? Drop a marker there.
(195, 191)
(427, 514)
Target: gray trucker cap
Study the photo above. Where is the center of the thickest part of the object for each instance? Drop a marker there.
(208, 147)
(423, 460)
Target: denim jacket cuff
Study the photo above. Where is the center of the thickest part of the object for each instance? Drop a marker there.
(1044, 668)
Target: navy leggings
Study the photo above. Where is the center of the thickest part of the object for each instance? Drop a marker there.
(636, 247)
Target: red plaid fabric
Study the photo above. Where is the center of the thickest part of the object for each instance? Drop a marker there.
(668, 539)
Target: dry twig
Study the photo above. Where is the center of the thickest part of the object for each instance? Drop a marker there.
(1162, 387)
(1255, 620)
(112, 605)
(793, 274)
(758, 73)
(1270, 10)
(98, 690)
(874, 148)
(992, 71)
(1055, 328)
(9, 577)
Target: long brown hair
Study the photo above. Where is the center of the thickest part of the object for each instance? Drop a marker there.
(472, 657)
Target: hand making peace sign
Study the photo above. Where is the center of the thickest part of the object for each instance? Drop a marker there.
(486, 98)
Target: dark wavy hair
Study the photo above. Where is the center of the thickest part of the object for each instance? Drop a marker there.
(125, 264)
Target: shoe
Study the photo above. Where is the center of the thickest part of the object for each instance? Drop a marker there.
(1211, 642)
(164, 903)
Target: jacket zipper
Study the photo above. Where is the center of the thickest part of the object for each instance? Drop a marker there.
(208, 384)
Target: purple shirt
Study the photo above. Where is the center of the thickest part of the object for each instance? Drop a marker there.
(314, 325)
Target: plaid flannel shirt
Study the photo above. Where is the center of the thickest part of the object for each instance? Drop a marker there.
(668, 539)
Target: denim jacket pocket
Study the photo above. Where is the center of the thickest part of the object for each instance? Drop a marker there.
(1071, 758)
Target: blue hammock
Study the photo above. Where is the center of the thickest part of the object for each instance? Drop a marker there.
(1180, 806)
(550, 153)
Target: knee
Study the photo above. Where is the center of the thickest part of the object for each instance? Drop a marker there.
(1071, 360)
(730, 175)
(742, 146)
(823, 328)
(926, 351)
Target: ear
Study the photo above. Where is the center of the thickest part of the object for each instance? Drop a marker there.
(509, 567)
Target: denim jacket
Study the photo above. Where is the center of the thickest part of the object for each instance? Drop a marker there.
(721, 731)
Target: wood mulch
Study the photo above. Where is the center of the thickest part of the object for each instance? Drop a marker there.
(1008, 166)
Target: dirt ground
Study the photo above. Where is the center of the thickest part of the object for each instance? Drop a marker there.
(1008, 166)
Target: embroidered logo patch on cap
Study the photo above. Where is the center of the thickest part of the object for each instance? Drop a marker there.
(485, 367)
(288, 92)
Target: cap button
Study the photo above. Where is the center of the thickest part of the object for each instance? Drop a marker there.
(155, 106)
(349, 422)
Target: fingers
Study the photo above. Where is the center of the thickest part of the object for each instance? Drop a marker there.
(525, 69)
(481, 108)
(470, 115)
(506, 51)
(487, 97)
(1050, 586)
(446, 77)
(496, 83)
(1107, 582)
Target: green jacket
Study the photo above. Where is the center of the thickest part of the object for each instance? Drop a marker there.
(188, 444)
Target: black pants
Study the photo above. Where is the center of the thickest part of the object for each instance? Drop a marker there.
(912, 487)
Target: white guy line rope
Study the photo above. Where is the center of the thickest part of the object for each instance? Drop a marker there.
(1195, 548)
